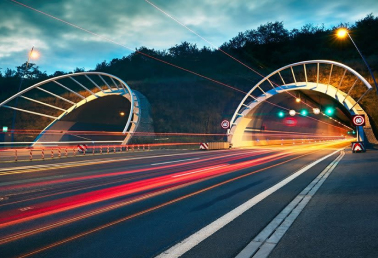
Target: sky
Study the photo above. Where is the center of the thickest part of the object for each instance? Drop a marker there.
(130, 24)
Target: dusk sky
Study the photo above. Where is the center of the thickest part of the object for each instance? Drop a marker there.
(135, 23)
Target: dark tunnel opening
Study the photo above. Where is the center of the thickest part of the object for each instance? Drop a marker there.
(102, 119)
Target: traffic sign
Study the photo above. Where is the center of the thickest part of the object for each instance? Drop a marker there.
(225, 124)
(359, 120)
(358, 147)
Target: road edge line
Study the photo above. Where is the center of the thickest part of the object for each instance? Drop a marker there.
(196, 238)
(264, 243)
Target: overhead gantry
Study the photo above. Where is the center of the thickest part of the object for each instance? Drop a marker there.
(322, 76)
(58, 97)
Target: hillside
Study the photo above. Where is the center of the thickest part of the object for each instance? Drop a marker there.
(183, 102)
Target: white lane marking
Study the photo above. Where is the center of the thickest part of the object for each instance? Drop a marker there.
(264, 243)
(200, 170)
(175, 161)
(193, 240)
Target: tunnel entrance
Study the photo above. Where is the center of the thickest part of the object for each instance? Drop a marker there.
(270, 122)
(102, 119)
(96, 118)
(321, 83)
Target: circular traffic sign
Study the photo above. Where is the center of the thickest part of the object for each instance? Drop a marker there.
(358, 120)
(225, 124)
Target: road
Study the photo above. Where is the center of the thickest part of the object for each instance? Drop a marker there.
(151, 203)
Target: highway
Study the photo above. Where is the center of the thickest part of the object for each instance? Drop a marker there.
(148, 204)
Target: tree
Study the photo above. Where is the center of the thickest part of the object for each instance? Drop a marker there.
(28, 71)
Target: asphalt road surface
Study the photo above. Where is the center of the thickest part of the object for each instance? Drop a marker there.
(159, 203)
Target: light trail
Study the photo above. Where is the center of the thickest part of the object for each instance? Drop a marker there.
(107, 225)
(223, 158)
(61, 205)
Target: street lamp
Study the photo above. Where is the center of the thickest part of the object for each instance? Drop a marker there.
(342, 33)
(32, 55)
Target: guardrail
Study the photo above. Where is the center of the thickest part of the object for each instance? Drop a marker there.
(58, 152)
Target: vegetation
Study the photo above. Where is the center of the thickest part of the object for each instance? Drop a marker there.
(183, 102)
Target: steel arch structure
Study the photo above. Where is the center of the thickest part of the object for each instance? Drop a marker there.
(266, 88)
(92, 85)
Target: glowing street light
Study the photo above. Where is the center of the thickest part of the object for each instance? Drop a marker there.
(342, 33)
(316, 111)
(121, 113)
(281, 114)
(304, 112)
(292, 112)
(298, 100)
(32, 55)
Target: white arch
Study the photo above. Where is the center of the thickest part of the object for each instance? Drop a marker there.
(250, 101)
(114, 85)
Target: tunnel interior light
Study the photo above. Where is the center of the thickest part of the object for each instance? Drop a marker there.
(298, 100)
(316, 111)
(281, 114)
(121, 113)
(304, 112)
(292, 112)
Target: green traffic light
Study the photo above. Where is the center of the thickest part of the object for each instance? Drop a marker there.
(329, 111)
(281, 114)
(304, 112)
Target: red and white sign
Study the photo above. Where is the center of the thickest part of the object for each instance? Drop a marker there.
(82, 147)
(290, 121)
(359, 120)
(225, 124)
(358, 147)
(204, 146)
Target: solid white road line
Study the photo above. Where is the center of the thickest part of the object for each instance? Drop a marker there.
(175, 161)
(193, 240)
(264, 243)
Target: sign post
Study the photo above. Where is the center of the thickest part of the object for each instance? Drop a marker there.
(358, 146)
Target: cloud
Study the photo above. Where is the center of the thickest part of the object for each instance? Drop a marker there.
(136, 23)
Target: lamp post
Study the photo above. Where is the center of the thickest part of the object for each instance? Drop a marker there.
(32, 54)
(342, 33)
